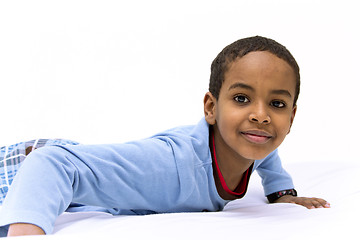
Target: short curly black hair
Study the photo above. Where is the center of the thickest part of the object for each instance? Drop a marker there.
(242, 47)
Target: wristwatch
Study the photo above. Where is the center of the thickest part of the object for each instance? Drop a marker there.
(276, 195)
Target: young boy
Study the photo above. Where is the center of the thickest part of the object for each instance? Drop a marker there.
(249, 109)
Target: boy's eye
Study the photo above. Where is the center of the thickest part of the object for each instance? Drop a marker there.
(278, 104)
(241, 99)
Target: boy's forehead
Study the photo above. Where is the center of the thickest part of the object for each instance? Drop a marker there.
(260, 65)
(259, 60)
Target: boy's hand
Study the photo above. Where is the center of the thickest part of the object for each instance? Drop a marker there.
(309, 203)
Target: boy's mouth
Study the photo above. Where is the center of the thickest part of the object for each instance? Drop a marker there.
(257, 136)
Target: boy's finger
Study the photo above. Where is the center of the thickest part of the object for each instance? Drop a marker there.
(320, 203)
(323, 202)
(312, 203)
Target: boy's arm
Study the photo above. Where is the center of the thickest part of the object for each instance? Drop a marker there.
(290, 196)
(275, 179)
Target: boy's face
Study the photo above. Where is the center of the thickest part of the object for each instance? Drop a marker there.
(254, 111)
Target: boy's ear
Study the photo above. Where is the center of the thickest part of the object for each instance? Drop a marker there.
(292, 117)
(210, 108)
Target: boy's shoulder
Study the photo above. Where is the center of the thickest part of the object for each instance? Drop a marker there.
(199, 130)
(188, 138)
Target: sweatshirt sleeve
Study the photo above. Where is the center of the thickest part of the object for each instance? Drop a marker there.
(98, 175)
(273, 175)
(170, 172)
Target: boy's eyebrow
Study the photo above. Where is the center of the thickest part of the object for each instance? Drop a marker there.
(282, 92)
(241, 85)
(277, 91)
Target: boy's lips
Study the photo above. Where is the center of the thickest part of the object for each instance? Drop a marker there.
(257, 136)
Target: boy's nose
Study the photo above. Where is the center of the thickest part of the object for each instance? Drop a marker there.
(259, 115)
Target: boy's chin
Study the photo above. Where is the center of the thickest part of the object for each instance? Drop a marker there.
(256, 155)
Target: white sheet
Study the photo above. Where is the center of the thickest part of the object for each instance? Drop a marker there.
(338, 183)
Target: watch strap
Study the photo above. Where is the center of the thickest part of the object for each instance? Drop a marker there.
(276, 195)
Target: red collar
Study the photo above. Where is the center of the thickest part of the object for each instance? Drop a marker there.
(240, 190)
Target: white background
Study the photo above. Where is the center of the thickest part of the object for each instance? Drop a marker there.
(113, 71)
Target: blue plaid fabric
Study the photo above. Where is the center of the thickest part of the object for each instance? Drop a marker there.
(12, 156)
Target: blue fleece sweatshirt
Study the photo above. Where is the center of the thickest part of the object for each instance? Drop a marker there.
(168, 172)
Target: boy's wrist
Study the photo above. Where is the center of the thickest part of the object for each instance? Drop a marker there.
(276, 195)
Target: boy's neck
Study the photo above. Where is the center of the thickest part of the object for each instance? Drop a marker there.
(232, 166)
